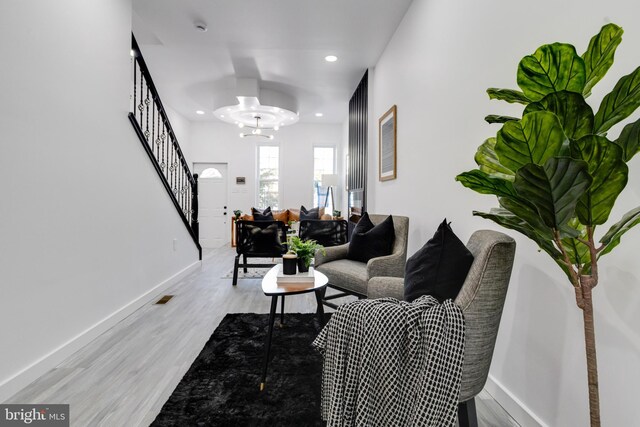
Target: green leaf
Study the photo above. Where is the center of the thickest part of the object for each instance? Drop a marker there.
(623, 100)
(494, 118)
(509, 95)
(483, 183)
(508, 220)
(575, 115)
(629, 140)
(528, 213)
(554, 189)
(534, 139)
(599, 55)
(487, 160)
(617, 230)
(533, 107)
(578, 252)
(609, 173)
(552, 68)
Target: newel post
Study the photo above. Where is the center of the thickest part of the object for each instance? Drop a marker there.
(195, 226)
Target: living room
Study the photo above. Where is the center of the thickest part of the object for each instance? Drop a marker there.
(95, 241)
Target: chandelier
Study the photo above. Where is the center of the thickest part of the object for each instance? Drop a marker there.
(257, 130)
(243, 103)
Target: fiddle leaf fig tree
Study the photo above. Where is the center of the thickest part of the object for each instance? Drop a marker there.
(554, 170)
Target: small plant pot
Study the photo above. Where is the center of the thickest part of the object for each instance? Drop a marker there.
(289, 262)
(302, 267)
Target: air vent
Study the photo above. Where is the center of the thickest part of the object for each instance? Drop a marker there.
(165, 299)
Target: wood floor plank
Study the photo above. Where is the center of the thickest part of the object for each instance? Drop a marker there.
(123, 377)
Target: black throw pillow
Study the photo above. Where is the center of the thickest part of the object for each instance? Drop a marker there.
(265, 215)
(439, 268)
(309, 214)
(369, 241)
(264, 239)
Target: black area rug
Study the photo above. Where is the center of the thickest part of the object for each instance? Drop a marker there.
(222, 386)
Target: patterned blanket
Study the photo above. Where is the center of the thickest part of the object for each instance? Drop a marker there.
(392, 363)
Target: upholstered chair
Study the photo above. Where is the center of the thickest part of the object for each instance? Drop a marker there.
(481, 299)
(352, 277)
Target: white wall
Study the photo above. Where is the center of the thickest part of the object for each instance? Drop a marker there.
(182, 129)
(87, 229)
(436, 68)
(220, 142)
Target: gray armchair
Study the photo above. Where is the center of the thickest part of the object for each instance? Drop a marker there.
(481, 299)
(352, 277)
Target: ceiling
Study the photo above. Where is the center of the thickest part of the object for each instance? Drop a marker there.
(281, 43)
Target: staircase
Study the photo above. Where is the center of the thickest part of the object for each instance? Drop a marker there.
(149, 119)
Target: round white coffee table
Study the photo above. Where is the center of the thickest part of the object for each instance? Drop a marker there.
(271, 288)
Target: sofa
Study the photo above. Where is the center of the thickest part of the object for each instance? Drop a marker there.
(287, 215)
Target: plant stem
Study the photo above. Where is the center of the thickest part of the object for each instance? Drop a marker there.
(575, 280)
(590, 347)
(587, 283)
(594, 256)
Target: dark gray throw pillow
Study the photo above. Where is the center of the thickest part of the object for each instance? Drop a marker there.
(439, 268)
(371, 241)
(313, 213)
(265, 215)
(264, 239)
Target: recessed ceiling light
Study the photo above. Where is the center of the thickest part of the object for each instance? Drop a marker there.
(222, 115)
(319, 114)
(199, 112)
(331, 58)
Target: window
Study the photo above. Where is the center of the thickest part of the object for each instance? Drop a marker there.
(268, 176)
(211, 173)
(324, 162)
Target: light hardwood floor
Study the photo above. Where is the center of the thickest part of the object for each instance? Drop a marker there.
(123, 377)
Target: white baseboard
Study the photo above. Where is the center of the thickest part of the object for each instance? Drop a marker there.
(514, 406)
(32, 372)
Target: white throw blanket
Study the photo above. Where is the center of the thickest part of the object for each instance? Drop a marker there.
(392, 363)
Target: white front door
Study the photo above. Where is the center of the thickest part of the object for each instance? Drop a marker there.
(212, 204)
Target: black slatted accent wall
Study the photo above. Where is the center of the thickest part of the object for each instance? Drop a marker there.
(357, 178)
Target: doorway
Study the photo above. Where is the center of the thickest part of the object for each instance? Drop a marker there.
(212, 204)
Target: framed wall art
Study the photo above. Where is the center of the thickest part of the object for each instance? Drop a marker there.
(387, 135)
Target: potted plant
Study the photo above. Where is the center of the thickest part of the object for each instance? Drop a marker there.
(305, 250)
(237, 214)
(336, 214)
(555, 170)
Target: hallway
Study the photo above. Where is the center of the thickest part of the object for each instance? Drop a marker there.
(123, 377)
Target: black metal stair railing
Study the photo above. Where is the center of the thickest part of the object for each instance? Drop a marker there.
(149, 119)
